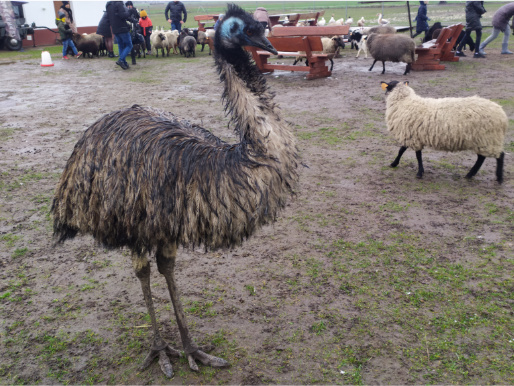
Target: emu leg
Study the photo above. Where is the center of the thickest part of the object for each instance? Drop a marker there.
(383, 67)
(159, 347)
(166, 265)
(476, 167)
(371, 68)
(499, 168)
(397, 159)
(420, 165)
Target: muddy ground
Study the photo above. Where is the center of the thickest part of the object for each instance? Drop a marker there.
(368, 276)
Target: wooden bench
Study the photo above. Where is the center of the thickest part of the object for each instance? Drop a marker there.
(202, 19)
(447, 53)
(429, 58)
(288, 41)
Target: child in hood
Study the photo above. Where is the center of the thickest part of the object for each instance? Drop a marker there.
(66, 34)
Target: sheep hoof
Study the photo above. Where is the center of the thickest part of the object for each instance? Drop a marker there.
(393, 165)
(419, 176)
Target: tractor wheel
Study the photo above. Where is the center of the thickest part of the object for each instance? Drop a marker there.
(12, 44)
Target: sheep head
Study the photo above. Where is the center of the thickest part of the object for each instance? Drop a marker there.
(388, 87)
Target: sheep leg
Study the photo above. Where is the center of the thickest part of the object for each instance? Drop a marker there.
(383, 67)
(159, 347)
(474, 170)
(397, 159)
(420, 165)
(166, 264)
(499, 168)
(331, 64)
(407, 69)
(203, 45)
(371, 68)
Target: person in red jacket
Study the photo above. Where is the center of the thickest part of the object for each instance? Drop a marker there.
(146, 26)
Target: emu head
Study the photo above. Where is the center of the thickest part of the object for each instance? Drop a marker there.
(239, 29)
(388, 87)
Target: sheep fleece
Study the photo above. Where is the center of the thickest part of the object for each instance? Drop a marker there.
(449, 124)
(391, 48)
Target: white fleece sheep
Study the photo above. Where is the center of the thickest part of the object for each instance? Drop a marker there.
(159, 41)
(172, 42)
(450, 124)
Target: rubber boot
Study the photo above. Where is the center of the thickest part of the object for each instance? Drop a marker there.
(505, 49)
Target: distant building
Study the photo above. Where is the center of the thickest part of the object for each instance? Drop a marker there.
(86, 14)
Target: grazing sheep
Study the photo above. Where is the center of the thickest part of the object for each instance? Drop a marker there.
(391, 48)
(150, 181)
(360, 43)
(202, 39)
(158, 40)
(331, 47)
(379, 29)
(449, 124)
(172, 38)
(187, 43)
(88, 44)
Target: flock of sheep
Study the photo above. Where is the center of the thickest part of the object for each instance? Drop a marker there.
(184, 42)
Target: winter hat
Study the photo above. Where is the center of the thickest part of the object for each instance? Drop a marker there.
(129, 3)
(65, 2)
(143, 13)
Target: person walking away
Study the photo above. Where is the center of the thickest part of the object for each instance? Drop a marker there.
(261, 15)
(501, 24)
(104, 29)
(176, 9)
(68, 14)
(421, 19)
(66, 33)
(474, 11)
(118, 15)
(146, 26)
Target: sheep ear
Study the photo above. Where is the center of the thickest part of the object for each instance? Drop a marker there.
(384, 86)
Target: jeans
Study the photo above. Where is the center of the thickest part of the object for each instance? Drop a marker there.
(494, 35)
(468, 33)
(65, 44)
(175, 25)
(124, 45)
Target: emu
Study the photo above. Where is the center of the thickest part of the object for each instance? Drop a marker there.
(150, 181)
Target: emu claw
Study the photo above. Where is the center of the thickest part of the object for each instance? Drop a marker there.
(206, 359)
(164, 361)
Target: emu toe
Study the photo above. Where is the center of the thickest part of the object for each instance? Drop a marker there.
(164, 361)
(206, 359)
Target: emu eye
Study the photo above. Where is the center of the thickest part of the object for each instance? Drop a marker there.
(249, 33)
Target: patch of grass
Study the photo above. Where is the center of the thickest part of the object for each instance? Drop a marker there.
(19, 252)
(250, 289)
(10, 239)
(319, 327)
(201, 309)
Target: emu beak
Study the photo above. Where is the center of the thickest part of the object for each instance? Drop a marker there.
(262, 42)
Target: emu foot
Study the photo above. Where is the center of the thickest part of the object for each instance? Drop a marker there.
(162, 352)
(206, 359)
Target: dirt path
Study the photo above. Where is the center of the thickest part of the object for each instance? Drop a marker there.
(368, 276)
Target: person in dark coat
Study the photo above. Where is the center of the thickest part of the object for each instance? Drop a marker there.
(501, 24)
(104, 29)
(176, 9)
(118, 16)
(474, 11)
(421, 19)
(132, 11)
(68, 14)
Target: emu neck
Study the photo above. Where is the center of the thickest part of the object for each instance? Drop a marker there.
(250, 103)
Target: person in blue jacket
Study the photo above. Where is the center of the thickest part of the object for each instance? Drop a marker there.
(421, 19)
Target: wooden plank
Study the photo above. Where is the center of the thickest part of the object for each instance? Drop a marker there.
(206, 17)
(310, 31)
(292, 44)
(283, 67)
